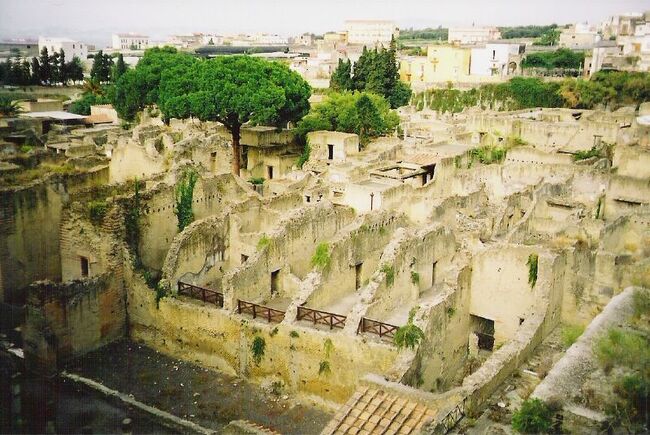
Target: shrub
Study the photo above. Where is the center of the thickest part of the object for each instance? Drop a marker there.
(623, 348)
(257, 349)
(25, 149)
(641, 303)
(389, 271)
(415, 277)
(570, 334)
(184, 196)
(304, 157)
(256, 180)
(584, 155)
(534, 416)
(410, 334)
(321, 257)
(96, 211)
(294, 334)
(532, 264)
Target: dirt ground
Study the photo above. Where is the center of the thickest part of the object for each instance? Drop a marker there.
(206, 397)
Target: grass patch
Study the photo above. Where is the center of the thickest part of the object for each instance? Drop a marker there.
(321, 258)
(534, 416)
(263, 242)
(97, 211)
(570, 334)
(389, 271)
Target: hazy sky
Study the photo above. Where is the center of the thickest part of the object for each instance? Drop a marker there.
(95, 20)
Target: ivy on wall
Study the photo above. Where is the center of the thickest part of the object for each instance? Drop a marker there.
(184, 197)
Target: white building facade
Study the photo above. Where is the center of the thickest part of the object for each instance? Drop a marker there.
(370, 32)
(70, 47)
(473, 35)
(130, 41)
(579, 37)
(496, 59)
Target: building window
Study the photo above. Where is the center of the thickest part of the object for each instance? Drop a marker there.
(330, 152)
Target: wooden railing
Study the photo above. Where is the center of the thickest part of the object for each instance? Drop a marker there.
(204, 294)
(321, 317)
(256, 310)
(375, 327)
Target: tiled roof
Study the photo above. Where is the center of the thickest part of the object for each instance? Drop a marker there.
(374, 411)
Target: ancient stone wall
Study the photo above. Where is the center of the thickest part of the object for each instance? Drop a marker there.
(65, 320)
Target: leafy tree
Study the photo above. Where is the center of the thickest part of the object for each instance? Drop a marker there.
(440, 33)
(82, 105)
(138, 87)
(340, 112)
(36, 71)
(46, 67)
(235, 90)
(550, 37)
(369, 119)
(101, 69)
(341, 79)
(75, 70)
(562, 58)
(119, 69)
(525, 31)
(63, 71)
(54, 66)
(362, 68)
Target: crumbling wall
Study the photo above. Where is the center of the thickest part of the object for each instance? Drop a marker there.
(362, 246)
(221, 340)
(289, 250)
(159, 224)
(69, 319)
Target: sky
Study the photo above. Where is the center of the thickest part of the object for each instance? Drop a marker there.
(94, 21)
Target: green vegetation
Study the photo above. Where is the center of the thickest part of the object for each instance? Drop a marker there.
(389, 272)
(184, 198)
(133, 209)
(612, 89)
(263, 242)
(562, 58)
(415, 277)
(584, 155)
(376, 71)
(534, 416)
(304, 157)
(451, 311)
(257, 349)
(102, 67)
(324, 368)
(273, 332)
(43, 70)
(328, 347)
(90, 98)
(367, 115)
(161, 292)
(623, 348)
(410, 334)
(532, 264)
(487, 154)
(97, 210)
(294, 334)
(233, 90)
(256, 180)
(641, 303)
(549, 38)
(321, 258)
(8, 107)
(440, 34)
(517, 32)
(570, 334)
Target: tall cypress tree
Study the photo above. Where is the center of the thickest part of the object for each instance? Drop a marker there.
(36, 71)
(63, 73)
(341, 79)
(119, 69)
(361, 70)
(46, 67)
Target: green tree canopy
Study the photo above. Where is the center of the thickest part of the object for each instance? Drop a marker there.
(119, 68)
(234, 90)
(365, 114)
(376, 71)
(101, 70)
